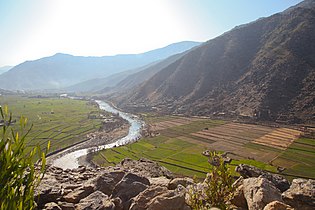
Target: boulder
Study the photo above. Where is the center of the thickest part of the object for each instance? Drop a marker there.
(238, 198)
(141, 201)
(106, 182)
(170, 200)
(79, 193)
(258, 192)
(130, 186)
(145, 167)
(180, 181)
(159, 197)
(96, 200)
(301, 194)
(247, 171)
(277, 205)
(51, 206)
(47, 194)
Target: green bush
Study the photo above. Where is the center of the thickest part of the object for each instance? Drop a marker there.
(18, 175)
(216, 190)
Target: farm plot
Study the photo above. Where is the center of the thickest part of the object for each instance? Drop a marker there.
(232, 137)
(61, 121)
(177, 148)
(182, 140)
(171, 123)
(280, 138)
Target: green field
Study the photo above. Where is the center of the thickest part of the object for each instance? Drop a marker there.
(177, 147)
(182, 157)
(299, 158)
(180, 150)
(62, 121)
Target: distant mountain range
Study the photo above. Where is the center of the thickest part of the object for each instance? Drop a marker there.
(5, 69)
(264, 69)
(62, 70)
(261, 70)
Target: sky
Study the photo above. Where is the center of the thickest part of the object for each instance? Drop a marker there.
(32, 29)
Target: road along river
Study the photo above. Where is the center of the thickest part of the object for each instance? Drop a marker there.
(70, 159)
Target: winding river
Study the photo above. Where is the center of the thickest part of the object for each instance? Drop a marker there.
(70, 160)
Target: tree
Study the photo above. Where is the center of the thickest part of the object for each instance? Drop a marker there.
(19, 176)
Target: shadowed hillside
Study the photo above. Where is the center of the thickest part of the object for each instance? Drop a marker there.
(264, 69)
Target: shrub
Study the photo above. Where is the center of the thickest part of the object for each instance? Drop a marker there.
(19, 176)
(216, 190)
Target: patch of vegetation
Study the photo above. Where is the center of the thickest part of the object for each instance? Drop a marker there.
(62, 121)
(217, 189)
(178, 154)
(299, 158)
(18, 177)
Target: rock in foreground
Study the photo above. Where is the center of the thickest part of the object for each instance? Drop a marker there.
(143, 184)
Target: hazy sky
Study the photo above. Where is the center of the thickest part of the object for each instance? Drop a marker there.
(31, 29)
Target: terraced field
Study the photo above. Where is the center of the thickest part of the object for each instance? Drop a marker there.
(280, 138)
(171, 123)
(179, 142)
(62, 121)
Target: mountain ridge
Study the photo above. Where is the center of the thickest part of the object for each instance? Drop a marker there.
(263, 69)
(61, 70)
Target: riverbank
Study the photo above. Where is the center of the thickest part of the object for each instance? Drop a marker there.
(103, 139)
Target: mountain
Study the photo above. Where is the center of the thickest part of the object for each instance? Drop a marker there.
(137, 76)
(5, 69)
(264, 69)
(62, 70)
(98, 84)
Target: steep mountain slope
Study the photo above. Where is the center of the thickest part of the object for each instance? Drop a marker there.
(135, 79)
(98, 84)
(63, 70)
(124, 80)
(263, 69)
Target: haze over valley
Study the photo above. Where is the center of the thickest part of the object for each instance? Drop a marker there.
(130, 100)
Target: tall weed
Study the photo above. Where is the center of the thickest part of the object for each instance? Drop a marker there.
(18, 175)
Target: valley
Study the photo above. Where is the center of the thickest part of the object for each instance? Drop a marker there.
(157, 105)
(175, 142)
(178, 143)
(63, 121)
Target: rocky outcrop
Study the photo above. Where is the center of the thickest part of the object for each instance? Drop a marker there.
(143, 184)
(145, 167)
(258, 192)
(247, 171)
(130, 186)
(301, 194)
(238, 198)
(116, 187)
(96, 200)
(157, 197)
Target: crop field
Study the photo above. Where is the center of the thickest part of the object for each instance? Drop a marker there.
(280, 138)
(62, 121)
(178, 144)
(176, 147)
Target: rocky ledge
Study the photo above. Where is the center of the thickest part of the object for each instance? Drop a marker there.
(144, 184)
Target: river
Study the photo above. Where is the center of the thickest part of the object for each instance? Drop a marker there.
(70, 160)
